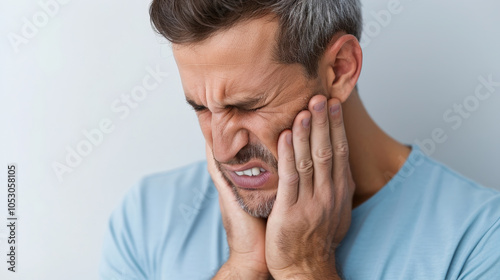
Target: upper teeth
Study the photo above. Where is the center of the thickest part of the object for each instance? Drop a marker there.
(250, 172)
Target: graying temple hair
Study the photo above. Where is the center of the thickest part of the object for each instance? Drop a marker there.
(306, 26)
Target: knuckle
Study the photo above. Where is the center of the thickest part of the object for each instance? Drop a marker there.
(328, 199)
(324, 155)
(304, 139)
(337, 122)
(341, 150)
(322, 121)
(351, 185)
(289, 158)
(305, 166)
(341, 192)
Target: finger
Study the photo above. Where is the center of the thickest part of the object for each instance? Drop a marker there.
(321, 147)
(341, 168)
(225, 191)
(210, 158)
(288, 176)
(302, 150)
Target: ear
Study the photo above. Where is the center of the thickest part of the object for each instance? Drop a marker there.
(340, 66)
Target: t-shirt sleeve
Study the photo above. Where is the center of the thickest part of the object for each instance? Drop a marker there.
(484, 260)
(122, 257)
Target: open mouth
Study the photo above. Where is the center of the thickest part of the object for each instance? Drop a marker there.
(254, 171)
(251, 176)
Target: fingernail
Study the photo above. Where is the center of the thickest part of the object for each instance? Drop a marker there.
(335, 108)
(289, 138)
(306, 122)
(319, 107)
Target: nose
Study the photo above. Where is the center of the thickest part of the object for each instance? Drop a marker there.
(229, 135)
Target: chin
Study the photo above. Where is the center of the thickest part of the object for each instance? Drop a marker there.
(257, 203)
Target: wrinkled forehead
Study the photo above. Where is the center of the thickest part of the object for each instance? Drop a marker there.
(237, 63)
(248, 42)
(242, 53)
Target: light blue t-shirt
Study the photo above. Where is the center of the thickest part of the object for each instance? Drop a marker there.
(427, 223)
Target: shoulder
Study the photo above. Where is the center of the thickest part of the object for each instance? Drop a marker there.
(154, 211)
(166, 189)
(168, 181)
(167, 197)
(451, 186)
(468, 214)
(175, 194)
(426, 175)
(445, 201)
(453, 201)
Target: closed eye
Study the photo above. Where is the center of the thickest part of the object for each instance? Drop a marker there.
(196, 107)
(199, 108)
(242, 109)
(256, 109)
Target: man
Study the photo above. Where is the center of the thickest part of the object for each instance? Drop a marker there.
(301, 183)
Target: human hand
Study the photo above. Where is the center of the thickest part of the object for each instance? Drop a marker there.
(245, 234)
(312, 211)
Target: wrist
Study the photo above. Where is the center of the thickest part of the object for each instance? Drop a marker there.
(299, 275)
(314, 271)
(244, 269)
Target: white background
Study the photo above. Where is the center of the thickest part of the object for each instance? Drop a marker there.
(65, 78)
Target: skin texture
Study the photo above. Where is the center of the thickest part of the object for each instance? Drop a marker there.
(330, 157)
(223, 76)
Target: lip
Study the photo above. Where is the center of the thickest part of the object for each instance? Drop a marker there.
(248, 165)
(249, 182)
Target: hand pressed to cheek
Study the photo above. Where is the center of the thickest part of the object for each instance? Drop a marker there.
(314, 196)
(245, 234)
(294, 163)
(305, 169)
(342, 176)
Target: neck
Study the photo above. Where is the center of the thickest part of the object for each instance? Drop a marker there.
(374, 156)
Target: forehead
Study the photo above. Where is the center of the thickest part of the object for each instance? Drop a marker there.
(248, 42)
(234, 60)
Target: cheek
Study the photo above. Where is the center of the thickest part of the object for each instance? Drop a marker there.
(268, 128)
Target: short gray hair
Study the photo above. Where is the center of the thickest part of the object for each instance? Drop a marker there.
(306, 26)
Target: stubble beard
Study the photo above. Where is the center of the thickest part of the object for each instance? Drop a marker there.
(255, 203)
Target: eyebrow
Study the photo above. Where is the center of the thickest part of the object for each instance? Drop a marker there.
(245, 104)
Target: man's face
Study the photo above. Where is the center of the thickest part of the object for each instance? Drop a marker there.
(244, 100)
